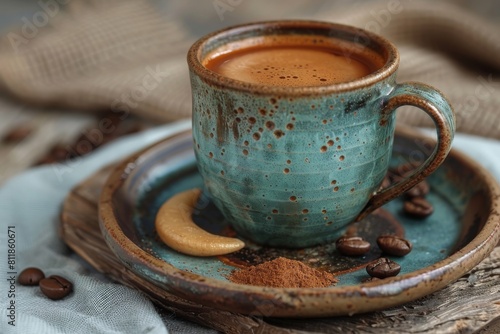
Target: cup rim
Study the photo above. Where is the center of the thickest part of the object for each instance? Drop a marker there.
(216, 79)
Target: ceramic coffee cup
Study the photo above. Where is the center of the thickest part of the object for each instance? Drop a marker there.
(293, 166)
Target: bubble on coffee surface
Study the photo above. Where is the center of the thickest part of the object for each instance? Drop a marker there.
(292, 66)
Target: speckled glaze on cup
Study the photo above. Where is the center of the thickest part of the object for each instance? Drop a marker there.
(292, 166)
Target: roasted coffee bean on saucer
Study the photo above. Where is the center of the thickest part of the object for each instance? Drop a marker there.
(382, 268)
(418, 207)
(394, 245)
(420, 190)
(352, 246)
(30, 276)
(386, 182)
(56, 287)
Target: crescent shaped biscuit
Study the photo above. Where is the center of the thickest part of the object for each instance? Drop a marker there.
(177, 230)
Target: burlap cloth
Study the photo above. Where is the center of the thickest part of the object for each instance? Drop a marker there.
(129, 56)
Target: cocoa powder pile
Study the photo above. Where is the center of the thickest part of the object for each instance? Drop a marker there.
(283, 273)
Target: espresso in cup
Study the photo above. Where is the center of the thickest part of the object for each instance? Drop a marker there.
(294, 61)
(293, 125)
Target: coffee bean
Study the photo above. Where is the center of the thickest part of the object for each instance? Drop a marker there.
(352, 246)
(30, 276)
(393, 245)
(56, 287)
(17, 134)
(383, 268)
(400, 172)
(59, 153)
(386, 182)
(420, 190)
(418, 207)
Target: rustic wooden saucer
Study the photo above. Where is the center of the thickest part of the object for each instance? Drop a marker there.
(470, 301)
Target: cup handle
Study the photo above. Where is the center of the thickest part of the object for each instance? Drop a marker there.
(439, 109)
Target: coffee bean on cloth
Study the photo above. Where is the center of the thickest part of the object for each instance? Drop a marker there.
(30, 276)
(56, 287)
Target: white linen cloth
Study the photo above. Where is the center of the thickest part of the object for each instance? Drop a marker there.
(31, 203)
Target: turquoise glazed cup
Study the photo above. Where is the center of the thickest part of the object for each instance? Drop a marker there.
(293, 166)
